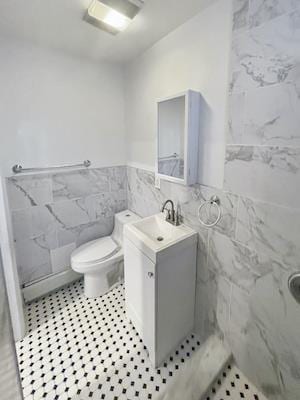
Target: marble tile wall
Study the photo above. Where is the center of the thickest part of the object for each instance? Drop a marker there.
(10, 387)
(244, 263)
(262, 167)
(53, 214)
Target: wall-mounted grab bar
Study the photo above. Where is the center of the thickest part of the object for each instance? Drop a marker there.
(17, 169)
(172, 156)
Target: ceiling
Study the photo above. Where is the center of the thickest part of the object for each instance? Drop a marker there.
(59, 24)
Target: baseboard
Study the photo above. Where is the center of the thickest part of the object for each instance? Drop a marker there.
(49, 284)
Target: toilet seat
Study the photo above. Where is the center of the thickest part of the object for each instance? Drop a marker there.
(95, 251)
(96, 255)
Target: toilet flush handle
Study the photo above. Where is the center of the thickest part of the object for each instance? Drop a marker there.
(150, 274)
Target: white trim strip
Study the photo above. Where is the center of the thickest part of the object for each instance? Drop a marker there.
(47, 285)
(141, 166)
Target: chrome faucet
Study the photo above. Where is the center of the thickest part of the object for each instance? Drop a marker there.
(172, 216)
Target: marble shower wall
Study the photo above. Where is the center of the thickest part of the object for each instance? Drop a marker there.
(52, 214)
(244, 263)
(262, 167)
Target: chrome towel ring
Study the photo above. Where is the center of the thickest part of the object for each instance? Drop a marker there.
(214, 201)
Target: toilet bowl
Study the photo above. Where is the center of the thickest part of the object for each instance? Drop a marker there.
(101, 260)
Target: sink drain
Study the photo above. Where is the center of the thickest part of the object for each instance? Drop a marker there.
(160, 238)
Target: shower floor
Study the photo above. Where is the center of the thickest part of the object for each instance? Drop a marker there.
(232, 384)
(79, 348)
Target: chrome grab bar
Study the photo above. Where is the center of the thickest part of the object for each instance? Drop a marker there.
(174, 155)
(17, 169)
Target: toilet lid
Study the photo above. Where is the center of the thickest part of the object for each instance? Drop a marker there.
(95, 251)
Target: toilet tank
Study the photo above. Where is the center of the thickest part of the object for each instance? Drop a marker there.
(121, 219)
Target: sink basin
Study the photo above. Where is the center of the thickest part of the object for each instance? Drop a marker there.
(154, 234)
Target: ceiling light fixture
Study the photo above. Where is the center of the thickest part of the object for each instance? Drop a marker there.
(112, 16)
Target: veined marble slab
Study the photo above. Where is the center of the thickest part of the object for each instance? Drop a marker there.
(78, 184)
(236, 262)
(276, 317)
(239, 316)
(261, 11)
(270, 229)
(263, 334)
(29, 223)
(268, 54)
(212, 305)
(83, 233)
(53, 212)
(205, 306)
(240, 14)
(236, 118)
(271, 115)
(117, 177)
(104, 205)
(30, 190)
(33, 258)
(270, 174)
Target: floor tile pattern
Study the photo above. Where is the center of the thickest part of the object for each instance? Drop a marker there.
(79, 349)
(232, 384)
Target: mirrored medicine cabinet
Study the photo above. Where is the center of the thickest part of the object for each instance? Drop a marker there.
(178, 120)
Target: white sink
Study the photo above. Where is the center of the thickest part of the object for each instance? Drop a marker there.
(154, 234)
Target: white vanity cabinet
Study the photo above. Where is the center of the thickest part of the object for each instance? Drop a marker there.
(140, 298)
(160, 292)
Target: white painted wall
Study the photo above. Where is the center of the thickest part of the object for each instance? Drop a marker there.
(58, 109)
(194, 56)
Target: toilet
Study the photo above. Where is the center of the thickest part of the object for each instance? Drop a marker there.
(101, 260)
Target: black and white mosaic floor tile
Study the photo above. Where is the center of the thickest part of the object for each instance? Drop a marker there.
(232, 384)
(79, 349)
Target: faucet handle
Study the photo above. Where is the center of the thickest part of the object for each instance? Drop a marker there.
(178, 216)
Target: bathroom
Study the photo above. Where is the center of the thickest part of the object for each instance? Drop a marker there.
(173, 119)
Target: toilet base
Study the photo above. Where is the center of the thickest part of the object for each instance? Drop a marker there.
(98, 283)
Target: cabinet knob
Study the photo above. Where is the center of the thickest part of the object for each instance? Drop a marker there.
(150, 274)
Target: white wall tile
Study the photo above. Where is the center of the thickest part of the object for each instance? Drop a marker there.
(236, 118)
(261, 11)
(29, 191)
(61, 258)
(240, 14)
(270, 174)
(33, 259)
(268, 54)
(272, 115)
(270, 229)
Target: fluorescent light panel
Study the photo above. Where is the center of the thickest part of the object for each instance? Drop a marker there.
(111, 15)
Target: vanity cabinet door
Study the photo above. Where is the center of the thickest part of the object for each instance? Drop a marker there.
(140, 294)
(149, 331)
